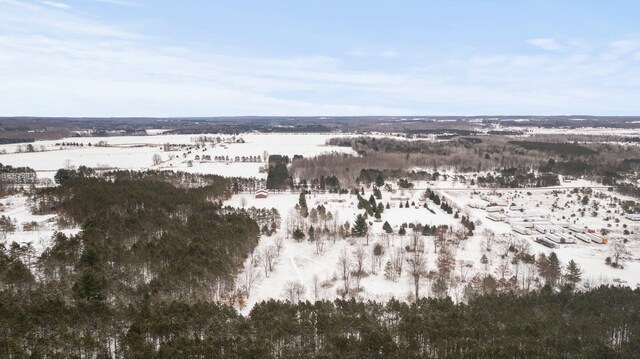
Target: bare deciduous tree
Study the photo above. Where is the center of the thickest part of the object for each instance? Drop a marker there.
(344, 268)
(320, 243)
(251, 277)
(268, 257)
(156, 159)
(279, 243)
(417, 268)
(360, 256)
(294, 291)
(619, 250)
(396, 258)
(316, 287)
(243, 201)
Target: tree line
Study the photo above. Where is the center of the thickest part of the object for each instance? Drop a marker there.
(601, 323)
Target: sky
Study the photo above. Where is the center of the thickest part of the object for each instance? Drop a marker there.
(120, 58)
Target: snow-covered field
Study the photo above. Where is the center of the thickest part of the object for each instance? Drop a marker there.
(315, 268)
(136, 152)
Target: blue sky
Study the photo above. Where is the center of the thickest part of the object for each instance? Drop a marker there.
(222, 58)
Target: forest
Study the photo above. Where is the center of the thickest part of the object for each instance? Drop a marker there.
(601, 323)
(143, 236)
(398, 158)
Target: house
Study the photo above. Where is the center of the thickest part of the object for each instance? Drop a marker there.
(262, 193)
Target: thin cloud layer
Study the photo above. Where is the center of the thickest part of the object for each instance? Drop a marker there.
(55, 63)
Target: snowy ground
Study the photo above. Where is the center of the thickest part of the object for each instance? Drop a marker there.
(590, 256)
(136, 152)
(17, 208)
(301, 261)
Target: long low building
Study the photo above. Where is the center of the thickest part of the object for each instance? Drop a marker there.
(633, 217)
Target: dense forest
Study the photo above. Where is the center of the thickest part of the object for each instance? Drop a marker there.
(602, 323)
(143, 236)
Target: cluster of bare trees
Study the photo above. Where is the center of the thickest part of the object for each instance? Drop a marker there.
(486, 153)
(265, 259)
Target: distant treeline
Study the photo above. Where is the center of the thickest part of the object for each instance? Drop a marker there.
(399, 158)
(11, 169)
(602, 323)
(8, 141)
(562, 149)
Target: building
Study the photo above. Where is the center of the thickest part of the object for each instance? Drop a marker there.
(262, 193)
(634, 217)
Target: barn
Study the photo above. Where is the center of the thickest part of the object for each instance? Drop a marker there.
(262, 193)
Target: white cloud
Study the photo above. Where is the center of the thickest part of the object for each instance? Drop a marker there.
(54, 4)
(545, 44)
(20, 4)
(55, 63)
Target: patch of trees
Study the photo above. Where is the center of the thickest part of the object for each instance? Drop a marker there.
(601, 322)
(628, 189)
(397, 157)
(278, 175)
(12, 178)
(514, 177)
(143, 237)
(11, 169)
(369, 176)
(562, 149)
(268, 220)
(468, 224)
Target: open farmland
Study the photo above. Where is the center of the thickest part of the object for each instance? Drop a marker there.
(312, 265)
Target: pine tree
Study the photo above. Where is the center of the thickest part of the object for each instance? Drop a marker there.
(302, 202)
(574, 274)
(387, 227)
(298, 234)
(555, 269)
(312, 233)
(484, 260)
(360, 227)
(372, 202)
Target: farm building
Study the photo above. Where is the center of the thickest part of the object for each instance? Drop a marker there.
(262, 193)
(634, 216)
(495, 217)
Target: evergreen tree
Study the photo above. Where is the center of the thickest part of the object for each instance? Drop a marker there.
(387, 227)
(555, 269)
(573, 275)
(298, 234)
(360, 227)
(302, 202)
(372, 202)
(312, 233)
